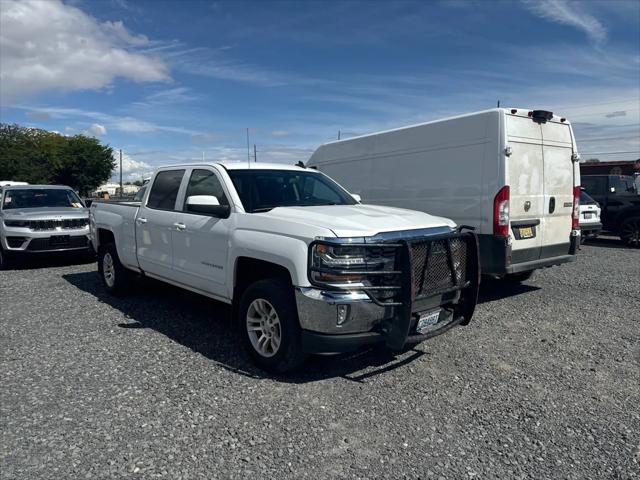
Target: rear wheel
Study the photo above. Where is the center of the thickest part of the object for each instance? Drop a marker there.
(115, 277)
(270, 327)
(630, 232)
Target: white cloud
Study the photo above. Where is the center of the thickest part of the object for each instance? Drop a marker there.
(571, 13)
(48, 45)
(131, 169)
(279, 133)
(37, 115)
(96, 130)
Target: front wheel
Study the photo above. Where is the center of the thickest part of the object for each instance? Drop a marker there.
(114, 275)
(630, 232)
(269, 326)
(5, 260)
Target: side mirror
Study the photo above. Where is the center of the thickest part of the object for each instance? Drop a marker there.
(356, 197)
(208, 205)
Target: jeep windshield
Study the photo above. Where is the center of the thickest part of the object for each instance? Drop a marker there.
(40, 198)
(262, 190)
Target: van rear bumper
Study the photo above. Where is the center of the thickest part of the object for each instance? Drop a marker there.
(498, 258)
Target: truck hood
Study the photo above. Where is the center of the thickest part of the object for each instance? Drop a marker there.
(359, 220)
(46, 213)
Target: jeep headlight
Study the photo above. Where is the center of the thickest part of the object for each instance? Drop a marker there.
(16, 223)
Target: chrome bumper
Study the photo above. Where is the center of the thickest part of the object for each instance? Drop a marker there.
(318, 311)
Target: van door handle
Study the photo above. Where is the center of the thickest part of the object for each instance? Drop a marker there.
(141, 220)
(179, 226)
(552, 204)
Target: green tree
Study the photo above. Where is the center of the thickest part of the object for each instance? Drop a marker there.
(38, 156)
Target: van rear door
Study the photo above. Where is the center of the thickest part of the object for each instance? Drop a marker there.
(557, 152)
(525, 177)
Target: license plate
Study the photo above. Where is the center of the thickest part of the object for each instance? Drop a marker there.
(59, 240)
(588, 215)
(427, 320)
(526, 232)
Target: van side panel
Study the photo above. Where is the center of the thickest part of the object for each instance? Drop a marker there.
(438, 168)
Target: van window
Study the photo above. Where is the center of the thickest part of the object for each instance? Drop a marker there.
(165, 188)
(205, 182)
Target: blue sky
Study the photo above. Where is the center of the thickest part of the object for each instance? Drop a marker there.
(169, 81)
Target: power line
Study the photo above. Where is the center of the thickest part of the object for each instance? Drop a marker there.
(608, 153)
(601, 139)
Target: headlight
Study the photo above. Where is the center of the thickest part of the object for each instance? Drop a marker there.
(16, 223)
(338, 264)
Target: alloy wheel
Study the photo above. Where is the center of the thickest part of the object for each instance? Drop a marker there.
(264, 328)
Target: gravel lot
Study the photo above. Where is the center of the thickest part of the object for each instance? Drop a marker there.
(545, 383)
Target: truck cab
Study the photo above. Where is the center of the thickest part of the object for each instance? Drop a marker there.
(306, 267)
(620, 203)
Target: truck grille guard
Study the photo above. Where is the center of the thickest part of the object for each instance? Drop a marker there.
(424, 267)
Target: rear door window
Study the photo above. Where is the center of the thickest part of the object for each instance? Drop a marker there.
(164, 191)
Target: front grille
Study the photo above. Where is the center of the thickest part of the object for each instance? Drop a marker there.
(64, 224)
(41, 244)
(437, 266)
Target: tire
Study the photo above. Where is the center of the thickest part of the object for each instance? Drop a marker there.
(115, 277)
(5, 260)
(519, 277)
(630, 232)
(273, 341)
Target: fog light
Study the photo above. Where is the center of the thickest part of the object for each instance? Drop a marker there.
(343, 314)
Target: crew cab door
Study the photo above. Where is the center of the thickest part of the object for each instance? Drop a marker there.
(201, 241)
(156, 222)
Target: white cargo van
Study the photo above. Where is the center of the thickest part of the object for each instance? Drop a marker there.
(511, 174)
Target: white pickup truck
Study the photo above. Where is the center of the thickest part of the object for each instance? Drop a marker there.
(305, 265)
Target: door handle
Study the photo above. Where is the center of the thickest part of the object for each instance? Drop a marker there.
(141, 220)
(552, 204)
(179, 226)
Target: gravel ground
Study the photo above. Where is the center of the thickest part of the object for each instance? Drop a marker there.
(545, 383)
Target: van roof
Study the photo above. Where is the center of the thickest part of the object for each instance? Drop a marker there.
(506, 110)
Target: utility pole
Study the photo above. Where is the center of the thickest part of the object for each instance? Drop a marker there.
(255, 153)
(121, 192)
(248, 151)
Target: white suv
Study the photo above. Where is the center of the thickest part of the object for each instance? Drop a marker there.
(590, 225)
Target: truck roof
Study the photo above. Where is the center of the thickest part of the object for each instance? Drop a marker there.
(239, 165)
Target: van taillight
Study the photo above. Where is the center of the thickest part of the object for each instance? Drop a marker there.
(575, 216)
(501, 212)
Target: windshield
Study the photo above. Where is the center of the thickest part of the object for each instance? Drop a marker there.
(262, 190)
(40, 198)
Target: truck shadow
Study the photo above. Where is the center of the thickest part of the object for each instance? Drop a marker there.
(204, 326)
(605, 242)
(493, 290)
